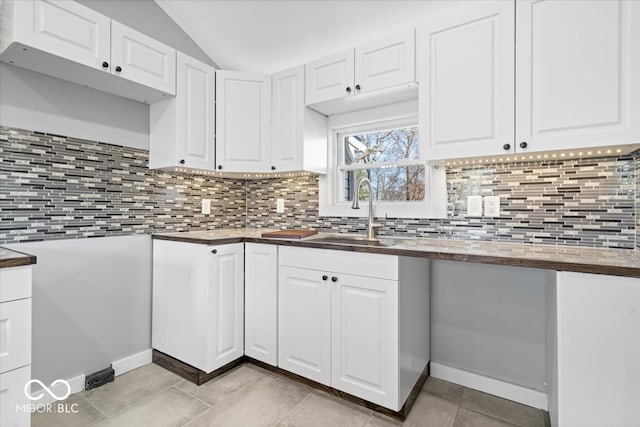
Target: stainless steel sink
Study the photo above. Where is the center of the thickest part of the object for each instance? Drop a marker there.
(348, 240)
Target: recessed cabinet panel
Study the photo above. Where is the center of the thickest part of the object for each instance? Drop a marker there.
(15, 334)
(466, 75)
(288, 110)
(576, 62)
(64, 28)
(330, 78)
(364, 335)
(386, 63)
(142, 59)
(304, 323)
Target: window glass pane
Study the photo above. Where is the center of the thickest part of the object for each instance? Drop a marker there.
(389, 184)
(383, 146)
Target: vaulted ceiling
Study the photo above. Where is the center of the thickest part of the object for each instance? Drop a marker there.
(266, 36)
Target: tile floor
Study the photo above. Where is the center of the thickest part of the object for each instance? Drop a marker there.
(251, 396)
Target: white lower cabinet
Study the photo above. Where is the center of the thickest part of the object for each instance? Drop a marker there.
(15, 345)
(595, 373)
(198, 302)
(261, 302)
(344, 329)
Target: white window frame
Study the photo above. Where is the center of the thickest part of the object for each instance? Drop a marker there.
(433, 206)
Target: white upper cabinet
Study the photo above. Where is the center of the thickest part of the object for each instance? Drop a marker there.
(577, 73)
(466, 78)
(243, 122)
(182, 129)
(385, 67)
(72, 42)
(330, 78)
(385, 63)
(299, 134)
(140, 58)
(64, 28)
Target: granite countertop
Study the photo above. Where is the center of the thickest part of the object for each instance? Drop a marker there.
(617, 262)
(9, 258)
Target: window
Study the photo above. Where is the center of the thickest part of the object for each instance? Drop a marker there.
(388, 152)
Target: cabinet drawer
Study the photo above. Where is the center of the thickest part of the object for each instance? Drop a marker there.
(360, 264)
(15, 283)
(15, 334)
(12, 397)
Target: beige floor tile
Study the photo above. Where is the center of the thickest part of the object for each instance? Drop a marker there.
(444, 389)
(260, 404)
(169, 408)
(320, 410)
(376, 420)
(506, 410)
(85, 416)
(224, 386)
(130, 388)
(467, 418)
(432, 411)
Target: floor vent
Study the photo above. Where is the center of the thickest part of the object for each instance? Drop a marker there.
(99, 378)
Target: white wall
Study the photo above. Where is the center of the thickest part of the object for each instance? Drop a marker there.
(91, 303)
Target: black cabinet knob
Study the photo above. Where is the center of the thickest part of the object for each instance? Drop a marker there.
(273, 168)
(118, 68)
(105, 64)
(523, 144)
(357, 87)
(348, 89)
(215, 251)
(334, 279)
(507, 146)
(219, 166)
(325, 277)
(182, 161)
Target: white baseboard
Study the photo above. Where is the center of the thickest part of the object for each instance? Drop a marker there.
(517, 393)
(76, 385)
(131, 362)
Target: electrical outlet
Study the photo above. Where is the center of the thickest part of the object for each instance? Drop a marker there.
(492, 206)
(279, 205)
(474, 206)
(206, 206)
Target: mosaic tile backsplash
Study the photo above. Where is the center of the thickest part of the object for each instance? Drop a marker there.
(56, 187)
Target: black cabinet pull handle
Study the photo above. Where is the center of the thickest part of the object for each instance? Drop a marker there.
(118, 68)
(325, 277)
(357, 87)
(219, 166)
(507, 146)
(182, 161)
(105, 64)
(523, 144)
(215, 251)
(334, 279)
(273, 168)
(348, 89)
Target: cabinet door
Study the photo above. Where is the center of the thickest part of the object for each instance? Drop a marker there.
(195, 113)
(261, 302)
(330, 78)
(225, 308)
(304, 323)
(243, 122)
(598, 350)
(288, 109)
(142, 59)
(386, 63)
(64, 28)
(577, 67)
(180, 296)
(364, 338)
(466, 76)
(15, 334)
(12, 396)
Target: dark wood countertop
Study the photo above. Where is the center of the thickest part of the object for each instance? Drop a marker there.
(616, 262)
(11, 258)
